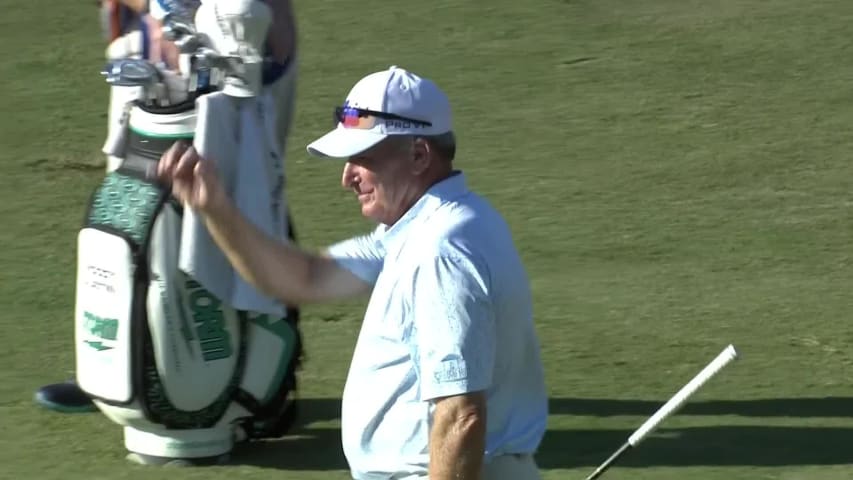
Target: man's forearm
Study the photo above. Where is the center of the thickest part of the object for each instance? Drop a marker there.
(280, 270)
(456, 445)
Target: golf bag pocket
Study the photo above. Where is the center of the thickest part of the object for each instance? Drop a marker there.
(103, 315)
(108, 279)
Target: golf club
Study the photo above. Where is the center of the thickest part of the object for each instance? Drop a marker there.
(127, 72)
(724, 358)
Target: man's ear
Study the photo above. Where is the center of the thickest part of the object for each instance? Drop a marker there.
(421, 155)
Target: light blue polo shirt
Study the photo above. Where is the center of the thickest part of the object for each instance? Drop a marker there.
(450, 313)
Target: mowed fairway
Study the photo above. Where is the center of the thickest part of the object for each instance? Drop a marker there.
(677, 174)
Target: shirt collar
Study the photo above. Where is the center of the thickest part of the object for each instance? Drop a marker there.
(440, 193)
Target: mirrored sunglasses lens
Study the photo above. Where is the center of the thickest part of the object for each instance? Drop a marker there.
(350, 117)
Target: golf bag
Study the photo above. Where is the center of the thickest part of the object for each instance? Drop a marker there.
(181, 370)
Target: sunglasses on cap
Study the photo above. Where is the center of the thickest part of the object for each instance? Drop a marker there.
(362, 118)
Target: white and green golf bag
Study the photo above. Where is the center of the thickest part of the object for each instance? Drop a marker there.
(182, 371)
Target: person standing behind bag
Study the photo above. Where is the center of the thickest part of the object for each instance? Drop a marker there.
(133, 32)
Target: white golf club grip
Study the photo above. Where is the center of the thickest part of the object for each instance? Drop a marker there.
(686, 391)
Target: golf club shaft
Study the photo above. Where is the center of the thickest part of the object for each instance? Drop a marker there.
(610, 461)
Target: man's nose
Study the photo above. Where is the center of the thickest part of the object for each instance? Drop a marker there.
(349, 175)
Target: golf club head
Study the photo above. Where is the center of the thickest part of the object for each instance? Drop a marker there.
(127, 72)
(175, 27)
(208, 58)
(188, 43)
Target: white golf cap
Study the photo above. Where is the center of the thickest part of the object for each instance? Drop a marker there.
(390, 102)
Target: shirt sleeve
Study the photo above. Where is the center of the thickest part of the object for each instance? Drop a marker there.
(454, 327)
(362, 256)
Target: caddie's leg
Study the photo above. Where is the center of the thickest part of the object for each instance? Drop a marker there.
(129, 45)
(283, 421)
(123, 29)
(280, 79)
(283, 87)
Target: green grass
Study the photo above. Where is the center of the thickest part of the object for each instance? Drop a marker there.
(676, 174)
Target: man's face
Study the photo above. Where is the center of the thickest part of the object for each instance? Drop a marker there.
(384, 180)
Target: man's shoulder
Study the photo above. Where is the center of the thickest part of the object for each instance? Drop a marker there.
(468, 226)
(361, 245)
(462, 242)
(470, 218)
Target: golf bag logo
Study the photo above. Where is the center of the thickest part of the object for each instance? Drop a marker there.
(103, 329)
(213, 339)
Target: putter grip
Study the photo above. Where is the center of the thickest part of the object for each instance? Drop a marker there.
(686, 391)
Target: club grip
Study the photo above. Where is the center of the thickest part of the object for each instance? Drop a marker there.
(686, 391)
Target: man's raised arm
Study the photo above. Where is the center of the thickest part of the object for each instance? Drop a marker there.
(283, 271)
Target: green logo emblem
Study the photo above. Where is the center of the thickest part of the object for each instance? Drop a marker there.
(102, 328)
(213, 338)
(99, 346)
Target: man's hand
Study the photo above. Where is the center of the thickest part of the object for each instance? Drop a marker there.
(194, 179)
(457, 440)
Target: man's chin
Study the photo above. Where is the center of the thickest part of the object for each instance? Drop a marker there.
(370, 213)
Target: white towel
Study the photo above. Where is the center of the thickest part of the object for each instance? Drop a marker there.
(238, 134)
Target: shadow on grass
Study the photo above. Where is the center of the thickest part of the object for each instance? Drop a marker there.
(310, 448)
(766, 446)
(771, 407)
(305, 448)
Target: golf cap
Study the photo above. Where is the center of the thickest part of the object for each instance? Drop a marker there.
(390, 102)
